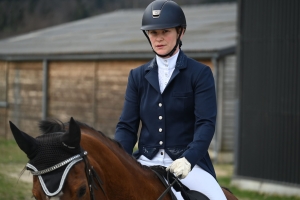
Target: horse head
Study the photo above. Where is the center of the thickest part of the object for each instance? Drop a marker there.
(54, 158)
(74, 161)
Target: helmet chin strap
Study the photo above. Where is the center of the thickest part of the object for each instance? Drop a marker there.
(178, 42)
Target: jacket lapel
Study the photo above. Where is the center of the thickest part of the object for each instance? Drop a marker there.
(152, 75)
(180, 64)
(152, 71)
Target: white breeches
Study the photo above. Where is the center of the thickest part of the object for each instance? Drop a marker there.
(198, 179)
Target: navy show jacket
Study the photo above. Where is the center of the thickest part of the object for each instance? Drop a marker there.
(180, 120)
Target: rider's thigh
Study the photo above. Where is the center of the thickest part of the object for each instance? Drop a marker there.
(200, 180)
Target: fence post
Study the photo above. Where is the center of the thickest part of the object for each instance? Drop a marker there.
(45, 90)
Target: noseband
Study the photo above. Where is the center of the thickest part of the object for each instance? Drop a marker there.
(92, 176)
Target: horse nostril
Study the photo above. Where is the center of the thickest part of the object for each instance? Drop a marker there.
(81, 191)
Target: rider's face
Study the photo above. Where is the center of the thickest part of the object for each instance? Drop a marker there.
(163, 40)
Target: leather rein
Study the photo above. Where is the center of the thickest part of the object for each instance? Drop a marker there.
(92, 176)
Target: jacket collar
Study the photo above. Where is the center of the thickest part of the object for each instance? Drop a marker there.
(152, 70)
(180, 63)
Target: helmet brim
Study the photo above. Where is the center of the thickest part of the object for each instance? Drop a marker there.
(160, 26)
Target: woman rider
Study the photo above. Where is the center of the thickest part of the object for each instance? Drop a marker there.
(173, 96)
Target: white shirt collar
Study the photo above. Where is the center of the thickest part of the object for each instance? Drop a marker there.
(169, 63)
(166, 67)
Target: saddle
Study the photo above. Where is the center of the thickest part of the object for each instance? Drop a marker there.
(169, 180)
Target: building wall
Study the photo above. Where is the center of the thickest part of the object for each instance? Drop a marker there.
(269, 85)
(223, 143)
(229, 103)
(70, 91)
(112, 82)
(3, 67)
(24, 96)
(89, 91)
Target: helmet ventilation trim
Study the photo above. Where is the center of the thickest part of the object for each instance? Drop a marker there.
(156, 13)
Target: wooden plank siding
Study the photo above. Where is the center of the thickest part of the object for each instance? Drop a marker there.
(2, 98)
(90, 91)
(112, 82)
(70, 90)
(3, 81)
(24, 96)
(229, 107)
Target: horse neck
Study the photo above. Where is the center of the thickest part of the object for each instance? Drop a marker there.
(122, 175)
(106, 151)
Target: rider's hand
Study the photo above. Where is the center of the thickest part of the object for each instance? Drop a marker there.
(180, 167)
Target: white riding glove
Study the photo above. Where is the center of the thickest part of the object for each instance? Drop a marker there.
(180, 167)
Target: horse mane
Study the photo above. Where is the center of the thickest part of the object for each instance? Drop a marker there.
(55, 125)
(81, 124)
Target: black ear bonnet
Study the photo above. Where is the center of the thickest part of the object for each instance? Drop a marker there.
(51, 155)
(50, 152)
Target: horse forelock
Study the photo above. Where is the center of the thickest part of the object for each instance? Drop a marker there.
(51, 126)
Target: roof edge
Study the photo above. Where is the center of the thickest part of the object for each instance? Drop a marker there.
(114, 56)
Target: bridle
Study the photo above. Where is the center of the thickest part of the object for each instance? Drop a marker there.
(92, 176)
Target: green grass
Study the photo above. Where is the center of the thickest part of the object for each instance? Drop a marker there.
(12, 161)
(248, 195)
(11, 189)
(11, 153)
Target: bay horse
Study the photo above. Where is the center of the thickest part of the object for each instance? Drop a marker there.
(74, 161)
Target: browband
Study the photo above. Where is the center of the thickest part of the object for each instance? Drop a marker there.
(36, 173)
(69, 162)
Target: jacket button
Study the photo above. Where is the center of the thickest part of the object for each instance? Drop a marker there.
(160, 130)
(161, 142)
(160, 117)
(160, 104)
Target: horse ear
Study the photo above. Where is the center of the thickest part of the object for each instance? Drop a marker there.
(26, 143)
(71, 139)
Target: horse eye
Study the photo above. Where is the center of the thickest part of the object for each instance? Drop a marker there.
(81, 191)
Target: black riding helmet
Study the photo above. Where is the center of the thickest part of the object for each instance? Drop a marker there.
(162, 14)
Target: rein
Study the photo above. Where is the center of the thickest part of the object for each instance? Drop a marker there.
(92, 175)
(170, 180)
(165, 181)
(167, 190)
